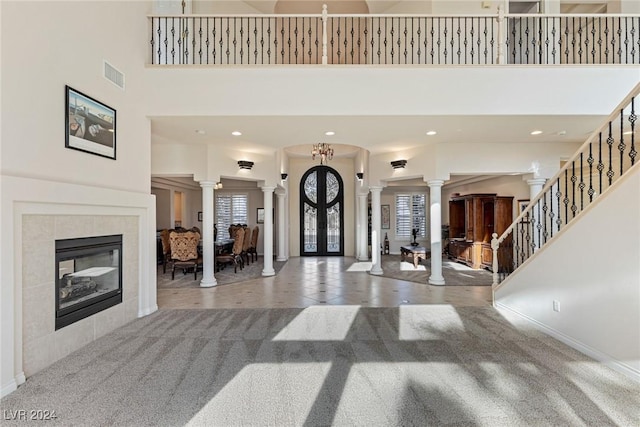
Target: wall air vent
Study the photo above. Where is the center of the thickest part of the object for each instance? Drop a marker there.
(112, 74)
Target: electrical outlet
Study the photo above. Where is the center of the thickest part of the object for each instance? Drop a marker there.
(556, 305)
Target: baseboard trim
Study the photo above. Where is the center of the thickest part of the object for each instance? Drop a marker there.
(605, 359)
(147, 311)
(12, 385)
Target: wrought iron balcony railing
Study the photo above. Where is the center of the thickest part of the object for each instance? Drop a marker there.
(608, 154)
(394, 39)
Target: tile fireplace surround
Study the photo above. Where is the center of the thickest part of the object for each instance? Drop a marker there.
(42, 344)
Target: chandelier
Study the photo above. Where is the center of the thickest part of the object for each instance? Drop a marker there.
(324, 151)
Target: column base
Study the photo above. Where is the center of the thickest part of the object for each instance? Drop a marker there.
(271, 272)
(376, 271)
(438, 281)
(364, 258)
(208, 283)
(281, 258)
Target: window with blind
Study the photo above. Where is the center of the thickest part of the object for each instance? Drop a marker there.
(411, 212)
(230, 209)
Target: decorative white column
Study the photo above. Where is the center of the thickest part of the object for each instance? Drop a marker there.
(376, 268)
(435, 199)
(282, 255)
(208, 262)
(364, 227)
(268, 232)
(535, 187)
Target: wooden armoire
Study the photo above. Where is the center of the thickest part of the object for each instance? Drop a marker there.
(473, 218)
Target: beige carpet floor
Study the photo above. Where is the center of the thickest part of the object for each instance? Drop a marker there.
(413, 365)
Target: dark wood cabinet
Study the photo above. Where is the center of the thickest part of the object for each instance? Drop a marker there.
(473, 218)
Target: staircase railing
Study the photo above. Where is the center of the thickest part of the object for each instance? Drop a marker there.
(372, 39)
(605, 157)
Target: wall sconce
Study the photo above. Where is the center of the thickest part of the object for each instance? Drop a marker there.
(398, 164)
(360, 176)
(245, 164)
(218, 186)
(283, 176)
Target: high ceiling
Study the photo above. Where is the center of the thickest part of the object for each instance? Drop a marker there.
(378, 134)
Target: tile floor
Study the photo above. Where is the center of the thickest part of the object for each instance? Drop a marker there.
(307, 281)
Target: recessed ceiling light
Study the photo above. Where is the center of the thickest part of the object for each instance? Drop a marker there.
(536, 132)
(200, 131)
(330, 133)
(236, 133)
(432, 132)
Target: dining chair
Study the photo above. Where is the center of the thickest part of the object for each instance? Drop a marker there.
(166, 248)
(184, 252)
(246, 244)
(235, 256)
(253, 248)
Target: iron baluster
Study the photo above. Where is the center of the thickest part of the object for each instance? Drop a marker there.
(600, 166)
(213, 33)
(255, 40)
(540, 32)
(539, 225)
(553, 38)
(621, 145)
(492, 44)
(590, 160)
(526, 42)
(419, 32)
(459, 51)
(207, 42)
(610, 144)
(551, 214)
(580, 42)
(439, 42)
(574, 179)
(545, 209)
(269, 41)
(392, 33)
(173, 41)
(632, 119)
(593, 41)
(366, 41)
(227, 51)
(558, 197)
(200, 45)
(606, 40)
(566, 196)
(620, 40)
(153, 47)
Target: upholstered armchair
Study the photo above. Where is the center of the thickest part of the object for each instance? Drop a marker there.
(235, 256)
(184, 252)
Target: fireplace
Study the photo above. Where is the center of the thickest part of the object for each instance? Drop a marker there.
(88, 277)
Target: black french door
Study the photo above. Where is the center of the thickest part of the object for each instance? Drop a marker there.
(321, 212)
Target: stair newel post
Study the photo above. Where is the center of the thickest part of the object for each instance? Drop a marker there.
(495, 244)
(501, 36)
(324, 34)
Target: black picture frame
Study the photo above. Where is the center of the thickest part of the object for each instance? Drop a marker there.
(90, 125)
(200, 216)
(260, 216)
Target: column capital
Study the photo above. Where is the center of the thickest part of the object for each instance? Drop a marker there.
(268, 189)
(375, 188)
(206, 184)
(435, 183)
(537, 181)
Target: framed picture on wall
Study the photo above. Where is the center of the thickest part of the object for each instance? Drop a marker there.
(385, 216)
(260, 216)
(90, 125)
(522, 205)
(200, 216)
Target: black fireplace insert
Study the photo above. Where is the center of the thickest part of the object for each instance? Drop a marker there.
(88, 277)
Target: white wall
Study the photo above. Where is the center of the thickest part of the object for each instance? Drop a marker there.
(38, 60)
(593, 271)
(163, 208)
